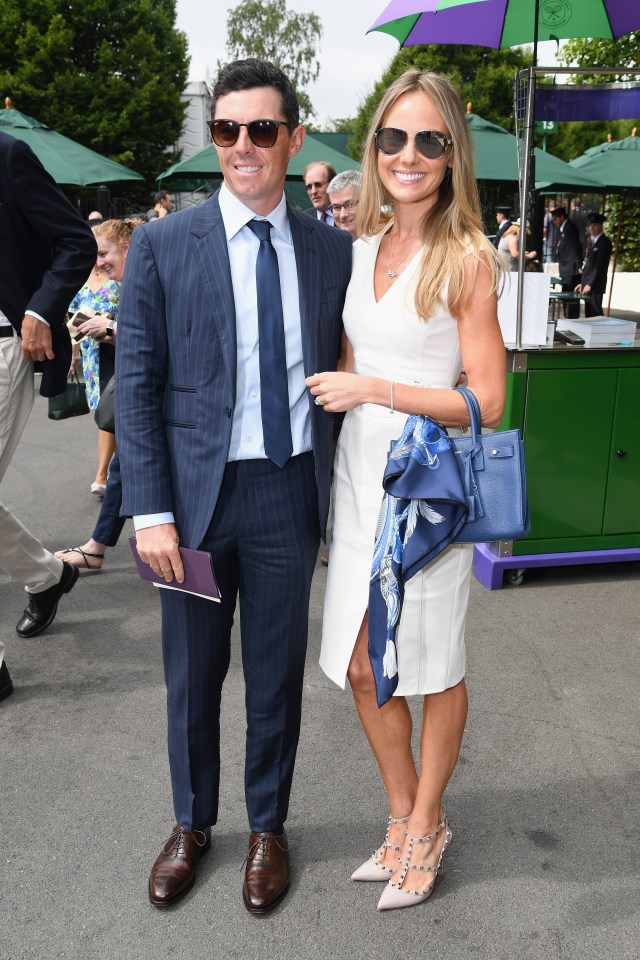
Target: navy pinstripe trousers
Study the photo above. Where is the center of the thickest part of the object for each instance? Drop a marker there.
(264, 538)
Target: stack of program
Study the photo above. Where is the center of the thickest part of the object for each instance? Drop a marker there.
(601, 331)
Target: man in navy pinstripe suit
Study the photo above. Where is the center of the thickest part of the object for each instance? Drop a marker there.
(193, 423)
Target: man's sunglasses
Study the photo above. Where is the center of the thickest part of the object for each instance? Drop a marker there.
(430, 143)
(262, 133)
(315, 186)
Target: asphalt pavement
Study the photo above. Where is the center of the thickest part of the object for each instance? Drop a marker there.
(543, 804)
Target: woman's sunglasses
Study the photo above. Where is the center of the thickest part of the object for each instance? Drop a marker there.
(430, 143)
(262, 133)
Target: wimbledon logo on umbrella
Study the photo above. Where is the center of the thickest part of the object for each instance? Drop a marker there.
(555, 13)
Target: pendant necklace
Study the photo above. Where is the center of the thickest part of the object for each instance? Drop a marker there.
(392, 272)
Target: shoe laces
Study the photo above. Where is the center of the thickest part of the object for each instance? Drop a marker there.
(259, 850)
(177, 840)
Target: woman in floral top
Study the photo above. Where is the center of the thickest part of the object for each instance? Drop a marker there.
(113, 238)
(98, 295)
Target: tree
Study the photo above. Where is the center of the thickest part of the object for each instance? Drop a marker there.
(484, 77)
(107, 73)
(338, 125)
(269, 31)
(583, 52)
(575, 138)
(629, 249)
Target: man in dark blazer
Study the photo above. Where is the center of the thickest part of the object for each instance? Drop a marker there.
(206, 295)
(593, 281)
(46, 254)
(569, 253)
(503, 218)
(317, 177)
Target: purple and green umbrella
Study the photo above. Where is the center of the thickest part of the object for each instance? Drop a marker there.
(506, 23)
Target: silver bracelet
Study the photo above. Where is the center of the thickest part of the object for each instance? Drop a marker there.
(391, 410)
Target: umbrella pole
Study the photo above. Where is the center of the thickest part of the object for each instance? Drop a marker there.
(535, 34)
(524, 201)
(615, 252)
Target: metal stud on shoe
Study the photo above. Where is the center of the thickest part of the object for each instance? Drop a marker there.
(372, 870)
(394, 896)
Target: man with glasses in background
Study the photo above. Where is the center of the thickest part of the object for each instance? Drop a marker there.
(226, 308)
(317, 177)
(344, 194)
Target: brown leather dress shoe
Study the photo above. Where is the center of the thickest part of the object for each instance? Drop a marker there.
(174, 871)
(266, 879)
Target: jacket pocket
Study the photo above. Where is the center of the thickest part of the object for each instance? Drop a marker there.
(180, 406)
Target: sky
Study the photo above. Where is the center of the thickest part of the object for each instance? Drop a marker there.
(350, 60)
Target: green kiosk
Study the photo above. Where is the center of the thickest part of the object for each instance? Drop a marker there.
(578, 409)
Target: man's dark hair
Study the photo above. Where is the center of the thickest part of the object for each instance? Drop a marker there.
(252, 73)
(160, 195)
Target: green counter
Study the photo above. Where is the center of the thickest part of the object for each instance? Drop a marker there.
(579, 412)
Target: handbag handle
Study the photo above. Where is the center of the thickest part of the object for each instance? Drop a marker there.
(474, 411)
(472, 457)
(73, 372)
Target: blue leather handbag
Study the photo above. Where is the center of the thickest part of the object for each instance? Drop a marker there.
(493, 475)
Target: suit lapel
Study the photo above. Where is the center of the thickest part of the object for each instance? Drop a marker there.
(211, 249)
(309, 283)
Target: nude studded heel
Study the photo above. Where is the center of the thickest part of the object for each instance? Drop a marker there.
(372, 870)
(393, 896)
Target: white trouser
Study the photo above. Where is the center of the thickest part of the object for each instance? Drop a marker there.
(21, 555)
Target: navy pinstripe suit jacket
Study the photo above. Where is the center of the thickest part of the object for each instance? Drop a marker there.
(176, 359)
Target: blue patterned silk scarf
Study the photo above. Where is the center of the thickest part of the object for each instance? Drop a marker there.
(423, 510)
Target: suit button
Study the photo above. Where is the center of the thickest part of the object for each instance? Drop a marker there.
(228, 411)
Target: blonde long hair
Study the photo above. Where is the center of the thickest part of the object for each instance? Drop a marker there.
(453, 225)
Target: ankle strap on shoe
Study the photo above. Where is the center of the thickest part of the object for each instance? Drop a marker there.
(393, 820)
(429, 836)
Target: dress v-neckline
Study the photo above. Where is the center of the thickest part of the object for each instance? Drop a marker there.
(395, 284)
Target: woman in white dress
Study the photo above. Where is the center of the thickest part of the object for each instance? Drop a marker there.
(421, 306)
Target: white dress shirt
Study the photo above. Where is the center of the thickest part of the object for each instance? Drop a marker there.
(4, 320)
(329, 221)
(247, 442)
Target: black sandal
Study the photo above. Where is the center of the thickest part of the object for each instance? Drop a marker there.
(84, 554)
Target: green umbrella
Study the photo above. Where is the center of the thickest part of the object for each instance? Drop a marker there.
(496, 158)
(68, 162)
(205, 163)
(616, 164)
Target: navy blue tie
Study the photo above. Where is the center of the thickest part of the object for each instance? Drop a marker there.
(274, 389)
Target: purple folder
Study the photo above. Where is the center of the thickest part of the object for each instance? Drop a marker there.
(199, 578)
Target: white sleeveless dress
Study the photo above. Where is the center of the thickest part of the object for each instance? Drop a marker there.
(390, 341)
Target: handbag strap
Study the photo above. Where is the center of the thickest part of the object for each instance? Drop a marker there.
(73, 372)
(474, 411)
